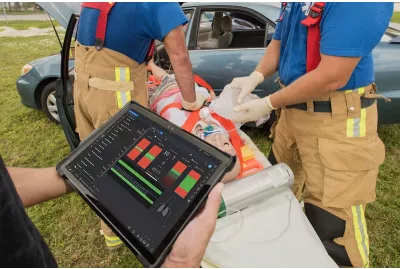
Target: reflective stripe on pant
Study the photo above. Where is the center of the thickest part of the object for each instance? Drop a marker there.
(361, 234)
(356, 126)
(340, 171)
(122, 97)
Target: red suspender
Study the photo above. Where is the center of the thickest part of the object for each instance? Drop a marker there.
(150, 52)
(105, 8)
(314, 35)
(284, 4)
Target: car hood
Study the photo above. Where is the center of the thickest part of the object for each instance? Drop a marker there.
(61, 11)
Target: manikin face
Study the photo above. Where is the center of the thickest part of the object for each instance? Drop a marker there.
(221, 141)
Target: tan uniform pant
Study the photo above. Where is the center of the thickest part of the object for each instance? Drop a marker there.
(336, 157)
(105, 81)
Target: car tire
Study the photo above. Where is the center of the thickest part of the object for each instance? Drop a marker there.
(48, 101)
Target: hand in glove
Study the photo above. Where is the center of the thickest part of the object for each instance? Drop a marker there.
(247, 84)
(253, 110)
(196, 105)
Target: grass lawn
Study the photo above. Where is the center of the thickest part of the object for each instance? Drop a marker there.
(396, 17)
(24, 25)
(23, 12)
(28, 139)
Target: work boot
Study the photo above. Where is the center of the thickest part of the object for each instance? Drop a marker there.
(112, 241)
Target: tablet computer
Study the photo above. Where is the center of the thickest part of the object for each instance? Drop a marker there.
(145, 177)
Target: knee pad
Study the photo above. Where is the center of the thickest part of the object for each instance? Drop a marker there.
(328, 227)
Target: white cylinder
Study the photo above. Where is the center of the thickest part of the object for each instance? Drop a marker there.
(255, 188)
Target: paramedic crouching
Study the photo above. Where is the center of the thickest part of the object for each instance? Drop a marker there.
(21, 245)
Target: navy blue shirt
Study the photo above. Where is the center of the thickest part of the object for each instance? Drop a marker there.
(347, 30)
(132, 26)
(21, 245)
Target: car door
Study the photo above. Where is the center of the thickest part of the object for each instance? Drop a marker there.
(64, 86)
(219, 65)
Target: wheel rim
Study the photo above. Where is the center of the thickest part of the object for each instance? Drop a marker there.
(52, 105)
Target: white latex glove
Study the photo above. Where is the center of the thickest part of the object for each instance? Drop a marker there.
(253, 110)
(196, 105)
(247, 84)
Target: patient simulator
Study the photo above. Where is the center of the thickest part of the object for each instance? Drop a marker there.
(261, 224)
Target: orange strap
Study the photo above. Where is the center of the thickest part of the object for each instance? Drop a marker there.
(203, 83)
(251, 166)
(227, 124)
(191, 121)
(173, 105)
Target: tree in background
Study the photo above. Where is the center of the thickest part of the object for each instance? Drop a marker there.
(17, 6)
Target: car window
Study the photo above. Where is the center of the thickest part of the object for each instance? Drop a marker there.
(390, 34)
(231, 29)
(206, 21)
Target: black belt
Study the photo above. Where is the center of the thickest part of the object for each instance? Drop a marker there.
(325, 106)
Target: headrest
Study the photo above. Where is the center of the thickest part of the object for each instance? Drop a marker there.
(226, 24)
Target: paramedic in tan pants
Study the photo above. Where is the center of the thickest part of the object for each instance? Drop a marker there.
(327, 118)
(114, 41)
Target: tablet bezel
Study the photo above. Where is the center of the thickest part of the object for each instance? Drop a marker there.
(146, 257)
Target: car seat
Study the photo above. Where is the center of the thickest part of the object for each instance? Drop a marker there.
(226, 38)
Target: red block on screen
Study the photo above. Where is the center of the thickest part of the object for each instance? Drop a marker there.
(144, 162)
(154, 151)
(194, 175)
(181, 192)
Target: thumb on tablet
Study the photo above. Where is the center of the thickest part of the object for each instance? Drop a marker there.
(210, 212)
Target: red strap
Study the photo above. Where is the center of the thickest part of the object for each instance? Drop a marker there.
(104, 8)
(150, 51)
(251, 166)
(227, 124)
(314, 35)
(173, 105)
(203, 83)
(284, 4)
(191, 121)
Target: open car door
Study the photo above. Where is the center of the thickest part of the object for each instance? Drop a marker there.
(64, 86)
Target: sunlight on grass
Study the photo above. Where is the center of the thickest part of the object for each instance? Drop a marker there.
(396, 17)
(29, 139)
(24, 25)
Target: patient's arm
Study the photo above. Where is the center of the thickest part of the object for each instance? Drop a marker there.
(157, 71)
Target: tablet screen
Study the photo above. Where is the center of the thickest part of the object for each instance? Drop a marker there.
(145, 175)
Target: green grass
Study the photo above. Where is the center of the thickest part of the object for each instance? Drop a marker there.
(28, 139)
(23, 12)
(24, 25)
(396, 17)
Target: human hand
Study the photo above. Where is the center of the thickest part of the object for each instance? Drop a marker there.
(253, 110)
(196, 105)
(247, 84)
(191, 244)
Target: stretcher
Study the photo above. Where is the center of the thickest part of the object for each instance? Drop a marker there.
(168, 105)
(273, 232)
